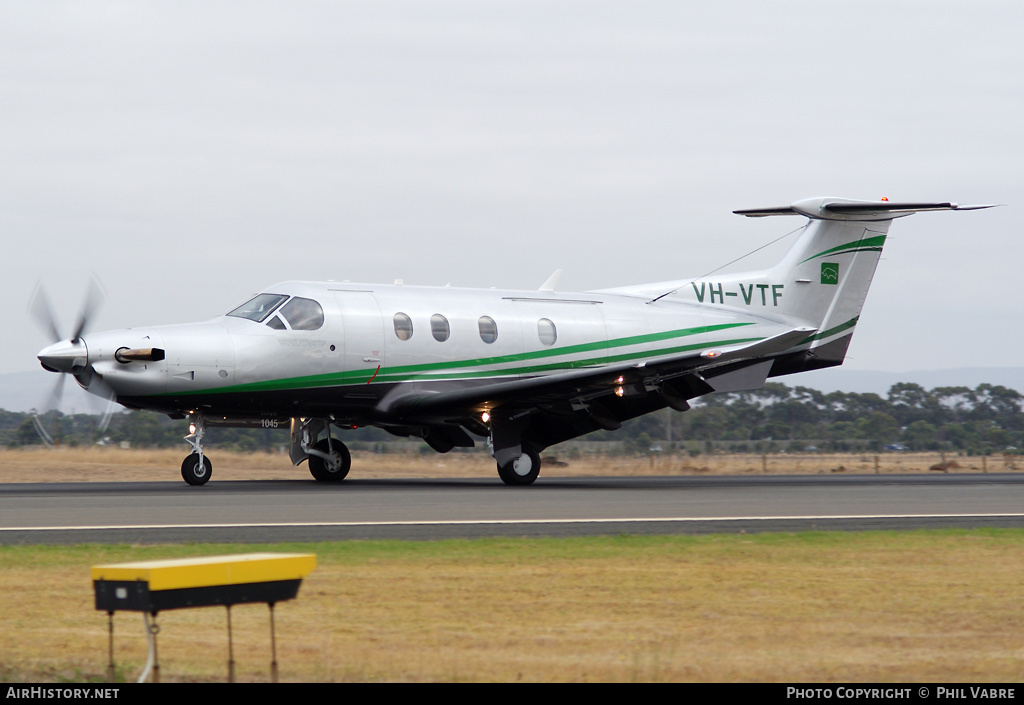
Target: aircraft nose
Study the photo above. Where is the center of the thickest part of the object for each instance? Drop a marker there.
(64, 356)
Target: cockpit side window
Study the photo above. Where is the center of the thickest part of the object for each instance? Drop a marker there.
(303, 314)
(259, 307)
(276, 323)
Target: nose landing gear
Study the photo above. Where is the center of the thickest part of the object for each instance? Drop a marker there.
(196, 469)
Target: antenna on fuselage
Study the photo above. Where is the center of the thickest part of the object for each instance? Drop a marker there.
(552, 281)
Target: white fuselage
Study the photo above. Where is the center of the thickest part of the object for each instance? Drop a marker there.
(484, 334)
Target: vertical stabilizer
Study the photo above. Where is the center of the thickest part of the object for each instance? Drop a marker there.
(827, 272)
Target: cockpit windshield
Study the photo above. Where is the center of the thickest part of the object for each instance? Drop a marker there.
(258, 308)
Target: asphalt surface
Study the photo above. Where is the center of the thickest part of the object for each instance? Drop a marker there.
(304, 510)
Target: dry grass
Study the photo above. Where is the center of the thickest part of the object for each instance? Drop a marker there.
(784, 608)
(114, 464)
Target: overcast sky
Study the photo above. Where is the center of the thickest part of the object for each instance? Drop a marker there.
(189, 154)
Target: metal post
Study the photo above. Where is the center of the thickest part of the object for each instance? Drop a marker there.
(273, 646)
(156, 656)
(110, 630)
(231, 651)
(152, 661)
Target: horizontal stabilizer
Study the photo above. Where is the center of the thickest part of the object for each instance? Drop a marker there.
(845, 209)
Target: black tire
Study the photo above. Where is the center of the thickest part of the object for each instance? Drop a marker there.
(521, 471)
(195, 474)
(337, 469)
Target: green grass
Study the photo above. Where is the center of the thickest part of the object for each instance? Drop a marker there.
(810, 606)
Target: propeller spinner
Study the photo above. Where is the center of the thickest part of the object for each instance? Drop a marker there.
(71, 355)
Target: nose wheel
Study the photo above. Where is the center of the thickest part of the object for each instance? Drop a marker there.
(196, 469)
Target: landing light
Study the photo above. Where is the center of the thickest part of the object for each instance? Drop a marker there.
(619, 391)
(191, 429)
(485, 417)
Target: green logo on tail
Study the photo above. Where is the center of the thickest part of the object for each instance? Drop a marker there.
(830, 273)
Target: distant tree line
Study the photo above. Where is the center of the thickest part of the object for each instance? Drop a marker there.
(986, 419)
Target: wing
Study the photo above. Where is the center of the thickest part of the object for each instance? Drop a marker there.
(556, 407)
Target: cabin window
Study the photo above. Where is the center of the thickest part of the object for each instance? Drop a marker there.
(303, 314)
(276, 323)
(439, 327)
(403, 326)
(546, 331)
(259, 307)
(488, 329)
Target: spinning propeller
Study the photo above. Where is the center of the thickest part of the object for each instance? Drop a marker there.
(70, 355)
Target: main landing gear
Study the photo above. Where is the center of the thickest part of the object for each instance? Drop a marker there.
(329, 460)
(518, 460)
(522, 470)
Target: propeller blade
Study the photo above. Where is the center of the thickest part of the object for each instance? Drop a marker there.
(93, 300)
(39, 307)
(46, 437)
(57, 394)
(53, 401)
(104, 391)
(107, 415)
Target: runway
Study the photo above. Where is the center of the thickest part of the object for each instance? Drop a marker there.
(301, 510)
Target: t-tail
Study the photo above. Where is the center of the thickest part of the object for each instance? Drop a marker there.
(823, 280)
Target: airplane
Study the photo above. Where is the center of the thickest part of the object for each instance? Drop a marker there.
(524, 370)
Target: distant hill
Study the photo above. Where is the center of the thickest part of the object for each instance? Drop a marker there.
(22, 391)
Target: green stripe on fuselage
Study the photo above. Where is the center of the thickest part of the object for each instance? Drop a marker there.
(567, 365)
(447, 370)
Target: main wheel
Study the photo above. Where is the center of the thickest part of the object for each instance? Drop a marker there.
(195, 473)
(335, 469)
(521, 471)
